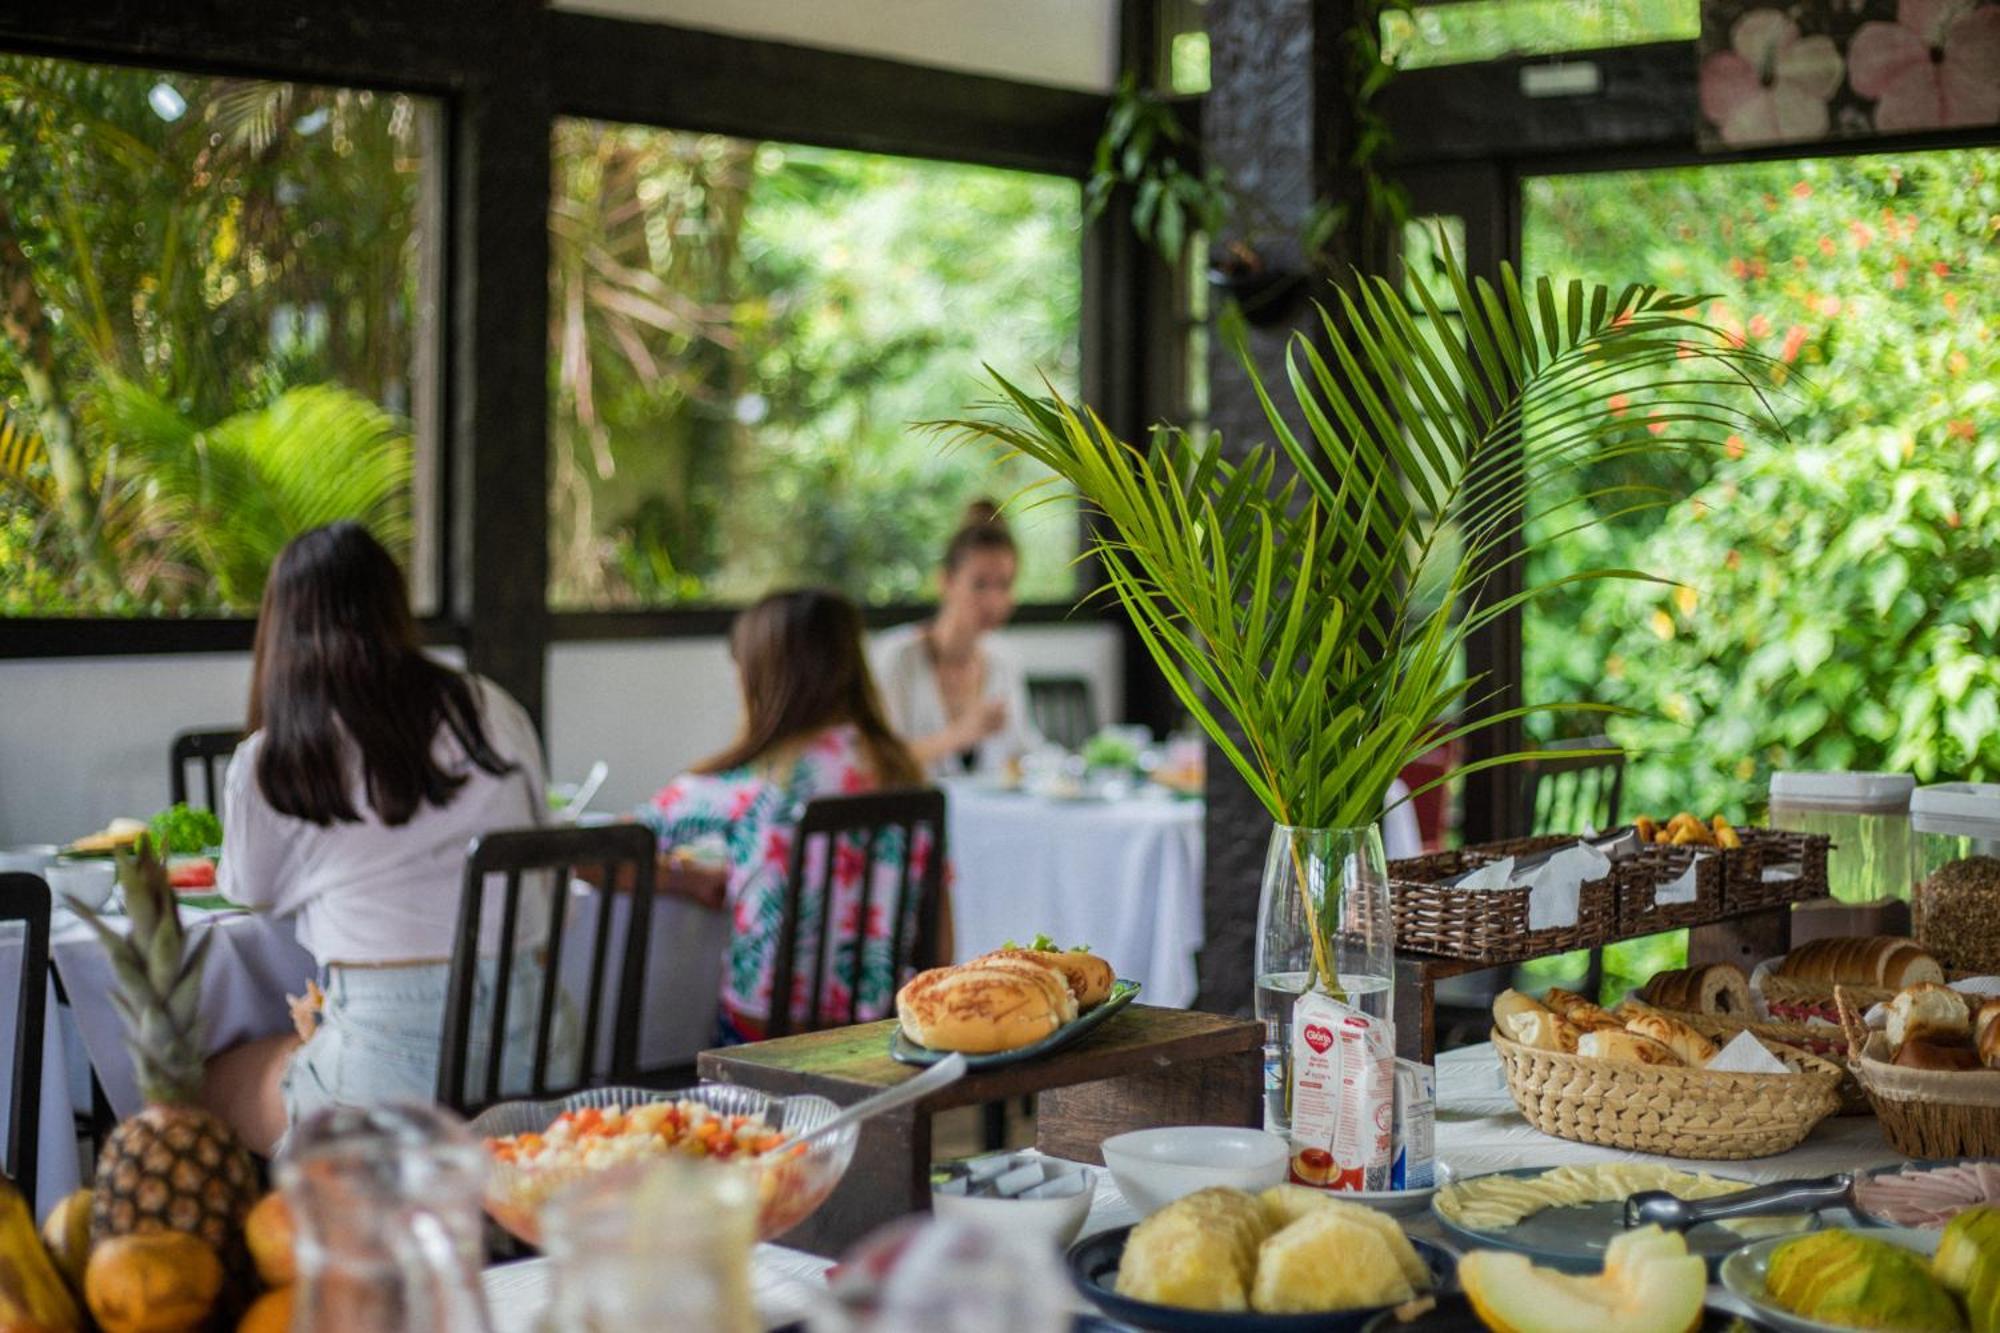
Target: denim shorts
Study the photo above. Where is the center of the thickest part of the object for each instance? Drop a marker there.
(381, 1028)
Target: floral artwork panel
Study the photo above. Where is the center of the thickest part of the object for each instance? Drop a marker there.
(1820, 69)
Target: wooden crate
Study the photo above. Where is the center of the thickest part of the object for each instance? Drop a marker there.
(1144, 1067)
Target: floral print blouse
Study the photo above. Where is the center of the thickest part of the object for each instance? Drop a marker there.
(754, 811)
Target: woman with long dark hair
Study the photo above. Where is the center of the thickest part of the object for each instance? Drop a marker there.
(812, 726)
(368, 768)
(957, 694)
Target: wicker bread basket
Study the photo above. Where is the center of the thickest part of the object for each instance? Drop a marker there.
(1671, 1110)
(1925, 1113)
(1744, 887)
(1490, 925)
(1639, 879)
(1722, 1029)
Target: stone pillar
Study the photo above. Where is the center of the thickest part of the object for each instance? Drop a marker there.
(1272, 121)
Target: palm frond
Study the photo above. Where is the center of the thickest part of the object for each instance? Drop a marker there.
(1312, 616)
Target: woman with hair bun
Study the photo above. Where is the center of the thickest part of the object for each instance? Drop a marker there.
(950, 688)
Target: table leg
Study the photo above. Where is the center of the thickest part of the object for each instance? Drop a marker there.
(1073, 1122)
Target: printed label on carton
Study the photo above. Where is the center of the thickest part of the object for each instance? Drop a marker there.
(1343, 1096)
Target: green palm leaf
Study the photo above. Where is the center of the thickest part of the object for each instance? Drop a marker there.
(1313, 625)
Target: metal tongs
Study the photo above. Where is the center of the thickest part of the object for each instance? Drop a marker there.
(1661, 1209)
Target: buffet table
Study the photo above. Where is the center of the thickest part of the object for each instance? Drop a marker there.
(1478, 1130)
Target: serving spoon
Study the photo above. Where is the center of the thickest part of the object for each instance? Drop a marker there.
(940, 1075)
(1659, 1208)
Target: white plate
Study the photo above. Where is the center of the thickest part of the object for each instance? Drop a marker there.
(1743, 1277)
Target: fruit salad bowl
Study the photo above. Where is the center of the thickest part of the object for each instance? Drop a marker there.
(538, 1148)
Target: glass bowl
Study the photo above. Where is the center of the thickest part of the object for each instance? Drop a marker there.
(790, 1185)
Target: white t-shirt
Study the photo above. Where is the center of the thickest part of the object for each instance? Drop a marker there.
(368, 893)
(908, 681)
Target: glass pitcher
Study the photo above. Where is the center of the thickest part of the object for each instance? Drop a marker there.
(386, 1202)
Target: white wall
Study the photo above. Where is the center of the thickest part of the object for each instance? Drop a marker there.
(1067, 43)
(85, 739)
(649, 708)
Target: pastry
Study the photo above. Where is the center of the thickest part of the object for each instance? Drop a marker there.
(1052, 982)
(977, 1010)
(1089, 976)
(1690, 1046)
(1580, 1012)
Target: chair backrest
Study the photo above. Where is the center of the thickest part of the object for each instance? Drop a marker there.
(203, 746)
(25, 898)
(1064, 709)
(1561, 792)
(906, 822)
(624, 854)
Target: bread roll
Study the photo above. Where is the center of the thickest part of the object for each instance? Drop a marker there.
(1511, 1011)
(1053, 983)
(1987, 1035)
(976, 1009)
(1545, 1032)
(1690, 1046)
(1621, 1045)
(1982, 1022)
(1937, 1055)
(1928, 1012)
(1089, 976)
(1579, 1012)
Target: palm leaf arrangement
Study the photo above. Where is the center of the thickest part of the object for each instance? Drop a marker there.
(1311, 616)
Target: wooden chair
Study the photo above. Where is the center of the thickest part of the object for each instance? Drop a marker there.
(625, 855)
(1561, 793)
(864, 823)
(1064, 709)
(25, 898)
(204, 746)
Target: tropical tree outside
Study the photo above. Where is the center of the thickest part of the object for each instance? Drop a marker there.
(213, 293)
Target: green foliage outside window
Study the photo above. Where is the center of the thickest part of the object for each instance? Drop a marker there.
(210, 296)
(742, 333)
(1839, 603)
(1464, 31)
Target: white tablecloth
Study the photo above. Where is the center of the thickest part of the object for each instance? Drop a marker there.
(1123, 877)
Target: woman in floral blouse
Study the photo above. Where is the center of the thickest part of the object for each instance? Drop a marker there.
(813, 726)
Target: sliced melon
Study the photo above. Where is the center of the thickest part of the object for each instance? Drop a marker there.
(1650, 1284)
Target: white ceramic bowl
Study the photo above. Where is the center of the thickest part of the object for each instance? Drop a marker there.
(82, 883)
(1054, 1220)
(1153, 1167)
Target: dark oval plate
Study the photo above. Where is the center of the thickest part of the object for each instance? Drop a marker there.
(1573, 1238)
(1093, 1267)
(1453, 1314)
(1122, 993)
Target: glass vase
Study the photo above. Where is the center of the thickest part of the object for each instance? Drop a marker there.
(386, 1202)
(1323, 923)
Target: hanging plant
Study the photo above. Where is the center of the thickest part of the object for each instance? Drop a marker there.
(1146, 147)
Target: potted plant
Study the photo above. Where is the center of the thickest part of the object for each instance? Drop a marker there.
(1311, 616)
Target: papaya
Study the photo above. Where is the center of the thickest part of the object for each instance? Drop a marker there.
(66, 1231)
(31, 1290)
(152, 1282)
(268, 1230)
(1843, 1277)
(1968, 1264)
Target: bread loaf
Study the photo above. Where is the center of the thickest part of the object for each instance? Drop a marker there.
(1609, 1045)
(977, 1010)
(1928, 1012)
(1690, 1046)
(1888, 961)
(1720, 988)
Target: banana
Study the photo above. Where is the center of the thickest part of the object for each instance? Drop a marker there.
(29, 1281)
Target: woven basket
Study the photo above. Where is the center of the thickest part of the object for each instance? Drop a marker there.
(1819, 994)
(1722, 1029)
(1744, 886)
(1925, 1113)
(1639, 877)
(1490, 925)
(1671, 1110)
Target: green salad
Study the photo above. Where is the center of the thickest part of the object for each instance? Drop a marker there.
(186, 830)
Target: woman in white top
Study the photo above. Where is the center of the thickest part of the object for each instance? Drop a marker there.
(368, 769)
(952, 692)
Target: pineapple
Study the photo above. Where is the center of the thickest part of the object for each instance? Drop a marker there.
(173, 1166)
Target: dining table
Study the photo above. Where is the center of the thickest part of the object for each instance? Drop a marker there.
(1117, 867)
(1479, 1130)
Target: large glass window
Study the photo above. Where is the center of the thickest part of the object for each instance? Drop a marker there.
(1838, 590)
(1463, 31)
(745, 337)
(216, 330)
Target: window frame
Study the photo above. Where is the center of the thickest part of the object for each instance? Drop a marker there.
(502, 72)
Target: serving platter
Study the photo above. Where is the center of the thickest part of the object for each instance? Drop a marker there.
(1123, 992)
(1454, 1314)
(1573, 1237)
(1915, 1164)
(1093, 1267)
(1743, 1278)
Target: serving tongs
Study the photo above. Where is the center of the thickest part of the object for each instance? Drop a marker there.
(1661, 1209)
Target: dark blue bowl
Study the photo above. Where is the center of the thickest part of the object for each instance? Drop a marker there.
(1093, 1267)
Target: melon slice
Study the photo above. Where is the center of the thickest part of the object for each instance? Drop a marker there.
(1650, 1284)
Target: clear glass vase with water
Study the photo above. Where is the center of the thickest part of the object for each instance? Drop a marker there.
(1324, 921)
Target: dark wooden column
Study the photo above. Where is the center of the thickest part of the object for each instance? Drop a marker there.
(1272, 120)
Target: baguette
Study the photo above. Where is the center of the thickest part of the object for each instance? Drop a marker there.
(1579, 1012)
(1621, 1045)
(1690, 1046)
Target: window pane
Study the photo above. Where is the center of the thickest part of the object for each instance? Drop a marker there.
(1471, 30)
(744, 336)
(218, 298)
(1839, 598)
